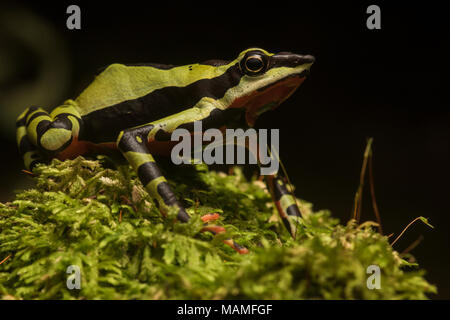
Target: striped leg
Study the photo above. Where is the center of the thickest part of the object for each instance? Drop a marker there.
(284, 201)
(133, 143)
(40, 135)
(28, 151)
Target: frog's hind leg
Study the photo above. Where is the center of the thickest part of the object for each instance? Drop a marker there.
(27, 150)
(41, 135)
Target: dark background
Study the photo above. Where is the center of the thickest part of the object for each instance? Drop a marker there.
(386, 84)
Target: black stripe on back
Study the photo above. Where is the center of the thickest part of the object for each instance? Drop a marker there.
(105, 124)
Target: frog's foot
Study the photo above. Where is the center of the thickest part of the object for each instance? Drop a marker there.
(214, 229)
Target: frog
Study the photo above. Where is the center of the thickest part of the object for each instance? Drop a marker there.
(133, 109)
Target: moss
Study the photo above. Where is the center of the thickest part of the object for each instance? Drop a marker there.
(81, 213)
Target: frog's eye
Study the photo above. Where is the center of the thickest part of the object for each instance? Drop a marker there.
(253, 64)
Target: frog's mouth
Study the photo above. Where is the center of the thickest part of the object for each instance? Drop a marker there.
(269, 97)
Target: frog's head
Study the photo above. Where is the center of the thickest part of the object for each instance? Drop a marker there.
(267, 80)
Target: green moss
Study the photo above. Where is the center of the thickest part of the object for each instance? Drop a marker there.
(102, 220)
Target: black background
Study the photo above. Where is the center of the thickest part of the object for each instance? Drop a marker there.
(386, 84)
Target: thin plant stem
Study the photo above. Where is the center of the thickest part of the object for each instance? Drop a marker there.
(372, 193)
(358, 196)
(418, 218)
(4, 260)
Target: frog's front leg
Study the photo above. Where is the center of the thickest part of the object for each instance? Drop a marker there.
(284, 200)
(133, 143)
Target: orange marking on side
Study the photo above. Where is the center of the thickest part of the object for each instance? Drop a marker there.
(162, 148)
(80, 147)
(76, 148)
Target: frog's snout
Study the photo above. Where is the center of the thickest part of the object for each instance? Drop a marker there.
(297, 59)
(289, 59)
(307, 59)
